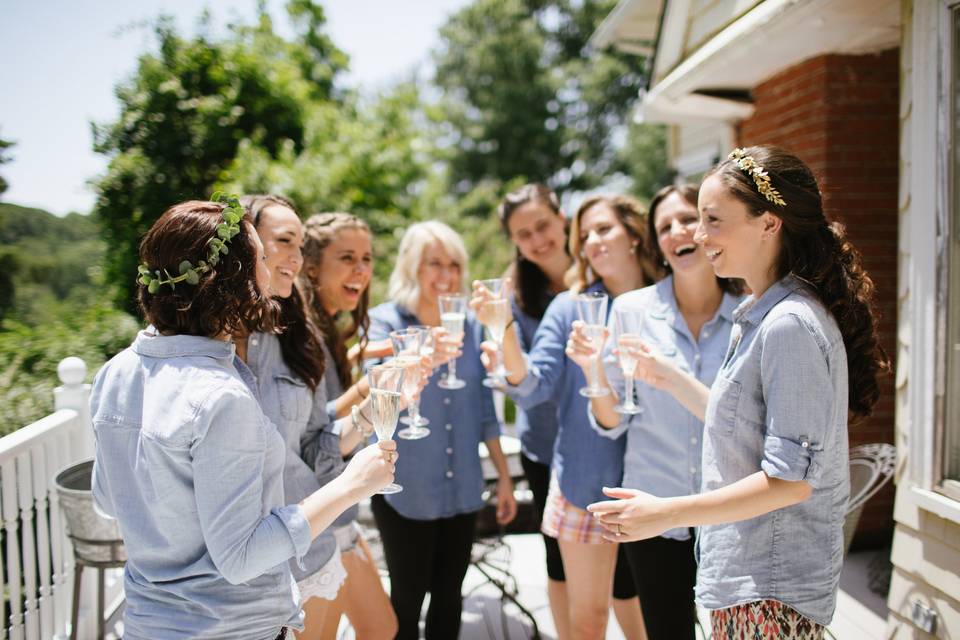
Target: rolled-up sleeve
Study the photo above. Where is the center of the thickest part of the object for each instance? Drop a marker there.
(228, 460)
(799, 394)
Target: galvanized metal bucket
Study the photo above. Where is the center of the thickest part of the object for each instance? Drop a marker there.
(96, 539)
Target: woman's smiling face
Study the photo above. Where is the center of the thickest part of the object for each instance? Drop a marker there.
(345, 270)
(675, 222)
(604, 241)
(538, 232)
(281, 233)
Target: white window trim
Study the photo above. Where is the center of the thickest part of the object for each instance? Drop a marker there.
(928, 151)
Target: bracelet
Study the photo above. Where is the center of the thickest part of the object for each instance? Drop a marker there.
(355, 415)
(509, 324)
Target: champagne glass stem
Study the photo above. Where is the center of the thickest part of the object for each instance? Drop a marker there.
(628, 398)
(415, 410)
(501, 367)
(452, 370)
(595, 372)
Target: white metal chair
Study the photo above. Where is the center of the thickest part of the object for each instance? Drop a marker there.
(871, 467)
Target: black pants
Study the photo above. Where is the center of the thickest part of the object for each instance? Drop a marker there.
(538, 477)
(665, 572)
(422, 556)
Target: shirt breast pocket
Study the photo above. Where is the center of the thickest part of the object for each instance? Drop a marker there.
(723, 405)
(293, 396)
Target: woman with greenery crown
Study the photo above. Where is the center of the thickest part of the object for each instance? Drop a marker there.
(187, 462)
(803, 361)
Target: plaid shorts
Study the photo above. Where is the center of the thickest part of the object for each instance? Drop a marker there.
(564, 521)
(763, 620)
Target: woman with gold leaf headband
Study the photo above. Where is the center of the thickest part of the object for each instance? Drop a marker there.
(803, 361)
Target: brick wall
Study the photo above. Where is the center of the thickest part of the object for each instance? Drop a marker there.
(839, 114)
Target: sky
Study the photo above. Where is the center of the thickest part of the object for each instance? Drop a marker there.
(61, 59)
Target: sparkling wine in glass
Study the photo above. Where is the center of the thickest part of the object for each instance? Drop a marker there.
(592, 308)
(408, 346)
(627, 330)
(453, 313)
(497, 314)
(386, 388)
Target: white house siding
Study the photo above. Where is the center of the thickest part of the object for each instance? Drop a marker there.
(926, 549)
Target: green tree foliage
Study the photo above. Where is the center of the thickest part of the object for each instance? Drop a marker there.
(53, 304)
(187, 109)
(524, 96)
(4, 158)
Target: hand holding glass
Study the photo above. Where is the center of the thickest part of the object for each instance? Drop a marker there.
(386, 387)
(592, 308)
(627, 329)
(453, 313)
(407, 347)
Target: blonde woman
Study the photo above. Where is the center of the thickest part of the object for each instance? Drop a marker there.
(427, 529)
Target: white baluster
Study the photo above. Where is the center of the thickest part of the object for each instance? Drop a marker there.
(29, 564)
(74, 444)
(8, 474)
(59, 547)
(41, 491)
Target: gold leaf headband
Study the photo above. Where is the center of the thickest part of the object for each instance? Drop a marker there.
(760, 177)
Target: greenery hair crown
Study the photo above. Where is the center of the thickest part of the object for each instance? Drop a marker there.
(760, 177)
(232, 215)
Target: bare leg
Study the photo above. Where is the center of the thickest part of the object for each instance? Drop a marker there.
(630, 618)
(559, 607)
(589, 569)
(363, 598)
(315, 610)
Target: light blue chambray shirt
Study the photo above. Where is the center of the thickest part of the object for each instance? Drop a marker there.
(192, 470)
(288, 402)
(583, 461)
(320, 441)
(779, 404)
(536, 426)
(664, 442)
(441, 474)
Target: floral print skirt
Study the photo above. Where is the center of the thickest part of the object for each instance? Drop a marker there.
(763, 620)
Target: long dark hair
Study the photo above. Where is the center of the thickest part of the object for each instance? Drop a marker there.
(318, 232)
(689, 192)
(226, 299)
(818, 252)
(299, 337)
(531, 284)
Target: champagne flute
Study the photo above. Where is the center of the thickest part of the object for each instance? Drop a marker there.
(386, 384)
(592, 308)
(497, 313)
(453, 313)
(407, 344)
(627, 329)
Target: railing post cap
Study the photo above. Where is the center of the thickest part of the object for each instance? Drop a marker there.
(72, 371)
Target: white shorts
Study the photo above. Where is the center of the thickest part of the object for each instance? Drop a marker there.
(326, 582)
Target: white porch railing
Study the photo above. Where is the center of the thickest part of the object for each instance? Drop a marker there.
(36, 569)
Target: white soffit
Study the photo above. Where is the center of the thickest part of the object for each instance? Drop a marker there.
(771, 37)
(631, 27)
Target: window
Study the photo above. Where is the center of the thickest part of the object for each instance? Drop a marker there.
(951, 449)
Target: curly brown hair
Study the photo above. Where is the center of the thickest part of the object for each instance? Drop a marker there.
(319, 231)
(631, 214)
(299, 337)
(227, 299)
(818, 252)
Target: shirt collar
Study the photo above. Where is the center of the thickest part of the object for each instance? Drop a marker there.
(754, 309)
(666, 305)
(151, 343)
